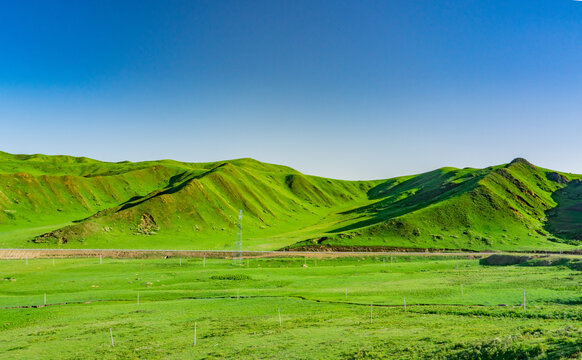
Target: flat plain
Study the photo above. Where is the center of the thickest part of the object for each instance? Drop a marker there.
(349, 307)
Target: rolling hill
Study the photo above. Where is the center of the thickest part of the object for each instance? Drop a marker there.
(76, 202)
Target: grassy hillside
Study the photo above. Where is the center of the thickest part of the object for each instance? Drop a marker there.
(49, 201)
(78, 202)
(516, 206)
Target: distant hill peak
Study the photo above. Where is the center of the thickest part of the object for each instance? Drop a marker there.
(521, 161)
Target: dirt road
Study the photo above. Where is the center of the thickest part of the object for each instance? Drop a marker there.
(142, 254)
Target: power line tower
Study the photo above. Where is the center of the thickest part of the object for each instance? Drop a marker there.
(237, 257)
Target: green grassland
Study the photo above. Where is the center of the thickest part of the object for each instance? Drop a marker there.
(71, 202)
(456, 308)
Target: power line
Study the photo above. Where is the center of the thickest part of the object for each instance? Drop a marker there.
(237, 257)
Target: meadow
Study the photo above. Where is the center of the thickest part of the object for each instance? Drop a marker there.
(288, 308)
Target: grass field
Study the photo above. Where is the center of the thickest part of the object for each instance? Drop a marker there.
(456, 308)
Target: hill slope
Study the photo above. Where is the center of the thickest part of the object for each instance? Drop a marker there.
(517, 206)
(48, 201)
(80, 202)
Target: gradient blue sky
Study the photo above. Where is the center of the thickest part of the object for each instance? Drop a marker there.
(345, 89)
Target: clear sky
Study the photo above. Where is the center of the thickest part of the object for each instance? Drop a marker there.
(345, 89)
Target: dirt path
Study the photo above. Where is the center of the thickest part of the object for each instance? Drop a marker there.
(153, 254)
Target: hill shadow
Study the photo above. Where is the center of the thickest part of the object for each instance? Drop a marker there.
(397, 198)
(175, 184)
(565, 219)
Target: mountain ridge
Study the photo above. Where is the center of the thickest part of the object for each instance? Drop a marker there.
(81, 202)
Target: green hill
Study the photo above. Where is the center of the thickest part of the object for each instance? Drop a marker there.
(516, 206)
(63, 201)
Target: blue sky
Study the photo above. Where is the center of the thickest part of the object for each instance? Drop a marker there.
(345, 89)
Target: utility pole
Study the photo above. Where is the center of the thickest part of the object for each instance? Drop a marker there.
(237, 257)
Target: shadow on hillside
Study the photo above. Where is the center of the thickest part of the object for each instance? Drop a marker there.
(175, 184)
(565, 220)
(399, 198)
